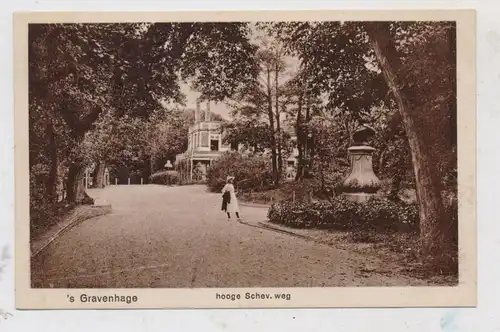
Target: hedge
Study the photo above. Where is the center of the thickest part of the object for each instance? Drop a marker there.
(252, 173)
(376, 214)
(166, 178)
(342, 214)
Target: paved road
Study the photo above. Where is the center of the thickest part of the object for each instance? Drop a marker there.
(161, 236)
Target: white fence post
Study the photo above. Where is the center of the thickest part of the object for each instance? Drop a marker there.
(128, 180)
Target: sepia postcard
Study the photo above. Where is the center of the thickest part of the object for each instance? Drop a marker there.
(245, 159)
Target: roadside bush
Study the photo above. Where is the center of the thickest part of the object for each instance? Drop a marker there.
(306, 189)
(43, 211)
(342, 214)
(252, 173)
(166, 178)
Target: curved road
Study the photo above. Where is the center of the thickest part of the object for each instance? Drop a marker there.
(177, 237)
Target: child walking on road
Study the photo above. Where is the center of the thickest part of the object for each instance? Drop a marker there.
(229, 200)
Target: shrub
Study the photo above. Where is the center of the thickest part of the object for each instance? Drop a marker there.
(343, 214)
(302, 190)
(166, 178)
(252, 173)
(42, 209)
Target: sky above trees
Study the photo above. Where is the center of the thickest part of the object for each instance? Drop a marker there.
(259, 38)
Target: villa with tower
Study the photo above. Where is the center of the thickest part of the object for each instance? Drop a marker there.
(206, 144)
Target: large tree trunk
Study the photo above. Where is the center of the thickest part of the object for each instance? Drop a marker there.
(271, 124)
(98, 175)
(322, 177)
(75, 187)
(299, 142)
(395, 188)
(278, 121)
(152, 164)
(381, 161)
(307, 140)
(146, 171)
(312, 153)
(434, 227)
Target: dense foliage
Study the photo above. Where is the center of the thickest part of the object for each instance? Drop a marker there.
(342, 214)
(376, 216)
(108, 95)
(252, 173)
(399, 78)
(102, 95)
(168, 178)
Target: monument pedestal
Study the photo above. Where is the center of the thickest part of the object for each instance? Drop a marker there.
(361, 183)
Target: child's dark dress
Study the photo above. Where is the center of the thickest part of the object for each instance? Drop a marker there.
(226, 199)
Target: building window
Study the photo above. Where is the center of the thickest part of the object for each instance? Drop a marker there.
(204, 139)
(234, 146)
(214, 145)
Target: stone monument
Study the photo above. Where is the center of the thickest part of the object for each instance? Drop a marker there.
(361, 183)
